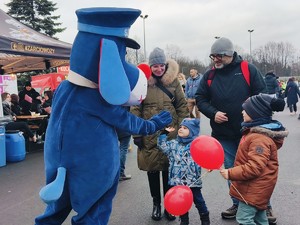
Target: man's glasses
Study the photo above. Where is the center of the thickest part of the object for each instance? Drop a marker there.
(216, 56)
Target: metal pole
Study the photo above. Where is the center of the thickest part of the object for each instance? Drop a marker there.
(144, 17)
(250, 31)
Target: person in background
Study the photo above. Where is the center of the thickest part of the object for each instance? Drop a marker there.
(15, 125)
(182, 80)
(47, 102)
(292, 92)
(255, 170)
(272, 85)
(182, 168)
(45, 110)
(30, 99)
(150, 159)
(15, 105)
(222, 100)
(192, 85)
(124, 142)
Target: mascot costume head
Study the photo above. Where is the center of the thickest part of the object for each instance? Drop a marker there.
(81, 146)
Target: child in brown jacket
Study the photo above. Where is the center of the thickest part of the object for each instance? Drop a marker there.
(255, 170)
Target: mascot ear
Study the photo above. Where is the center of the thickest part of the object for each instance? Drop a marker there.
(113, 82)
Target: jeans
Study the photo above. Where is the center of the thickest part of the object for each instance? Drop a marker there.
(250, 215)
(230, 148)
(199, 200)
(123, 145)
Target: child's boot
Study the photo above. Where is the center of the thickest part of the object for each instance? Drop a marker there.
(184, 219)
(204, 217)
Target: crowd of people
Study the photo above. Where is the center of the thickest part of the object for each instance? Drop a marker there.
(240, 110)
(26, 102)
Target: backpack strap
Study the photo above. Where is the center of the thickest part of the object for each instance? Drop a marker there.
(244, 68)
(211, 76)
(245, 71)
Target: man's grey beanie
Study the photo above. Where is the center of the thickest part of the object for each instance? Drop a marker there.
(157, 56)
(222, 46)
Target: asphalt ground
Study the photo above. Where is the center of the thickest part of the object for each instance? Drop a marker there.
(20, 184)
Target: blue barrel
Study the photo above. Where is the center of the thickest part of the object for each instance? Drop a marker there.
(15, 146)
(2, 146)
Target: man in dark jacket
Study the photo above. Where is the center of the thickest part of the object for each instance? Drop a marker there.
(221, 100)
(272, 84)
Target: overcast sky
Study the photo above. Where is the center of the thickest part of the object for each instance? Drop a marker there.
(193, 24)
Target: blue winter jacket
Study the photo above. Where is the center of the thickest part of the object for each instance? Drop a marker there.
(192, 86)
(182, 168)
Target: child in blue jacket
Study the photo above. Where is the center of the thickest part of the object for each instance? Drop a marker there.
(182, 168)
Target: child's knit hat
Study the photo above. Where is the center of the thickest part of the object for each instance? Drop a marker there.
(262, 106)
(193, 125)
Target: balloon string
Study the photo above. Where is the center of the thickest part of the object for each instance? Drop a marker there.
(203, 175)
(236, 189)
(239, 193)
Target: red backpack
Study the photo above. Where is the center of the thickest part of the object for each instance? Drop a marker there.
(244, 68)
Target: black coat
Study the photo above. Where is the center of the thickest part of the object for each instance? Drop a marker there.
(272, 84)
(27, 106)
(227, 93)
(292, 92)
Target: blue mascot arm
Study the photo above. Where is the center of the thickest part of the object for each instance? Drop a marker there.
(120, 118)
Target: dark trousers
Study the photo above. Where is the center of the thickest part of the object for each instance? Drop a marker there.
(198, 201)
(42, 127)
(293, 108)
(22, 126)
(154, 184)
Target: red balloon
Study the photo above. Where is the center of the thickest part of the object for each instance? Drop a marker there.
(146, 69)
(207, 152)
(178, 200)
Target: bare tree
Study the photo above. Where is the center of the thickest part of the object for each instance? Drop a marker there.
(173, 52)
(135, 56)
(275, 56)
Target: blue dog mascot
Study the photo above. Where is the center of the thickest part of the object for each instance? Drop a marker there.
(81, 147)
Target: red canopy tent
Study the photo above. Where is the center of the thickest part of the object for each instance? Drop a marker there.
(47, 81)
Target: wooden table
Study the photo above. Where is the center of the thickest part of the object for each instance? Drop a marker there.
(29, 117)
(33, 121)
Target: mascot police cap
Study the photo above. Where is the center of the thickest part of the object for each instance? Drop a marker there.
(98, 55)
(108, 21)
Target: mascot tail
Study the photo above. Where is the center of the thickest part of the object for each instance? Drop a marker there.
(52, 191)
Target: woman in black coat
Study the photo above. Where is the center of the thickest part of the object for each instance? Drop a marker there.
(30, 99)
(292, 92)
